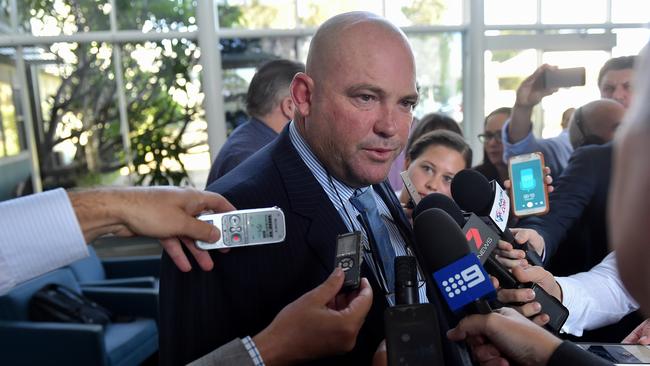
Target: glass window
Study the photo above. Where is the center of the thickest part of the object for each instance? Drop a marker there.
(630, 41)
(10, 131)
(257, 14)
(79, 137)
(630, 11)
(510, 12)
(5, 14)
(574, 11)
(423, 12)
(48, 18)
(312, 13)
(504, 71)
(157, 16)
(439, 73)
(164, 107)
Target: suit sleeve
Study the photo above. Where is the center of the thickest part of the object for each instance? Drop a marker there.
(231, 353)
(570, 354)
(573, 192)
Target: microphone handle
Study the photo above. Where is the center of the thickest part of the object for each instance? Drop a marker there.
(531, 255)
(557, 312)
(407, 295)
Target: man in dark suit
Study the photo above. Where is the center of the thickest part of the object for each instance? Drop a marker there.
(353, 113)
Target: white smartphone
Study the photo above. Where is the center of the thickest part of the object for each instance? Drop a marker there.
(246, 227)
(529, 193)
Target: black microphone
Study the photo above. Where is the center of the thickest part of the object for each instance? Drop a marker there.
(406, 280)
(457, 273)
(473, 193)
(484, 240)
(439, 200)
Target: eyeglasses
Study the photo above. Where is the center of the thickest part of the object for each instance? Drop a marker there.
(487, 136)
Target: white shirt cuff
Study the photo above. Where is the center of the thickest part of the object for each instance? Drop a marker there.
(39, 233)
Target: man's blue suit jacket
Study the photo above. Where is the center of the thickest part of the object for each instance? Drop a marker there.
(249, 286)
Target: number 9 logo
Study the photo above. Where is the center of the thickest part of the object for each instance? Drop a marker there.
(472, 276)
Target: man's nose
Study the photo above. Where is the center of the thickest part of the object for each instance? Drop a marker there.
(386, 123)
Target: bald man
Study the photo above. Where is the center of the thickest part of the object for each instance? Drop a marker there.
(353, 112)
(595, 122)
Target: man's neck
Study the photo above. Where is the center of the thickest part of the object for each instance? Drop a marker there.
(276, 123)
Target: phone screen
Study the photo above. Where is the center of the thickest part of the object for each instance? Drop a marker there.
(528, 191)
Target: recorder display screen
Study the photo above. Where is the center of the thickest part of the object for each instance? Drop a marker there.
(260, 227)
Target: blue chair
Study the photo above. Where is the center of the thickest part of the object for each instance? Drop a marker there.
(25, 342)
(140, 271)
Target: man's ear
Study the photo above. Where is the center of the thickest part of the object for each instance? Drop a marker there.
(302, 88)
(287, 107)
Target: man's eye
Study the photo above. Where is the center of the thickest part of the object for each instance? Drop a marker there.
(365, 97)
(409, 104)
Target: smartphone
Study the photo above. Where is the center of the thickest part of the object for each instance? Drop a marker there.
(246, 227)
(563, 78)
(410, 188)
(348, 257)
(529, 194)
(625, 354)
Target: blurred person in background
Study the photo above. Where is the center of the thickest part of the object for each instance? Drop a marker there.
(493, 167)
(433, 160)
(430, 122)
(270, 108)
(595, 122)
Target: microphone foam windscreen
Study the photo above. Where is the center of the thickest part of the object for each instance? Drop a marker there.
(405, 271)
(439, 239)
(439, 200)
(472, 192)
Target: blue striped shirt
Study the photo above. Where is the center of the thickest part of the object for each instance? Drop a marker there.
(335, 189)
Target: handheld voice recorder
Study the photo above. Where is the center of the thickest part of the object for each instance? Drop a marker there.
(246, 227)
(348, 257)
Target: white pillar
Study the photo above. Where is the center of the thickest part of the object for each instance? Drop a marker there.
(28, 120)
(474, 76)
(211, 80)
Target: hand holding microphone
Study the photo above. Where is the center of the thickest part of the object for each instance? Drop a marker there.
(483, 241)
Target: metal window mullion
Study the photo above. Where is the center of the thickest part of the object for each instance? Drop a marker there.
(28, 121)
(474, 76)
(121, 95)
(211, 74)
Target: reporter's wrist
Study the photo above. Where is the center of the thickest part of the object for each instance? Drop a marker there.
(97, 211)
(549, 345)
(523, 107)
(271, 349)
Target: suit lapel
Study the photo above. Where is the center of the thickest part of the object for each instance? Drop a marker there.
(307, 199)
